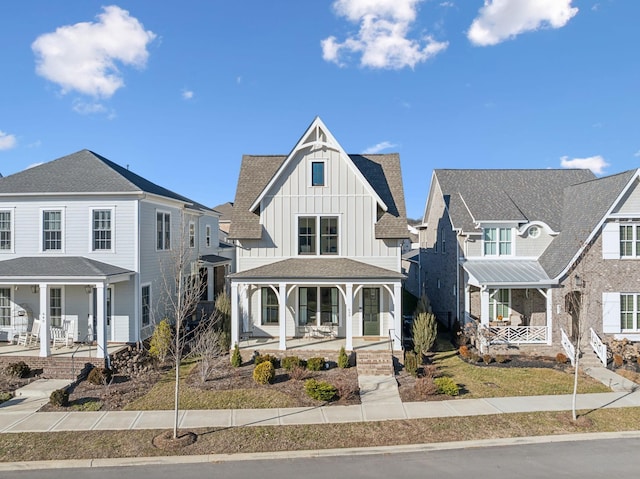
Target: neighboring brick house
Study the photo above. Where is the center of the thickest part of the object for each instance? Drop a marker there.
(507, 248)
(318, 235)
(83, 242)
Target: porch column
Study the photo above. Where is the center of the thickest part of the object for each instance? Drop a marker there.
(235, 329)
(349, 315)
(211, 293)
(45, 322)
(397, 316)
(467, 303)
(484, 305)
(282, 316)
(101, 320)
(245, 294)
(549, 317)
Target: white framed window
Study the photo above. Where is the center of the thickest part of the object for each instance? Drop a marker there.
(52, 230)
(6, 231)
(207, 236)
(629, 240)
(5, 306)
(55, 306)
(497, 241)
(270, 307)
(318, 305)
(192, 234)
(534, 232)
(630, 312)
(163, 230)
(102, 230)
(145, 299)
(318, 173)
(318, 235)
(499, 304)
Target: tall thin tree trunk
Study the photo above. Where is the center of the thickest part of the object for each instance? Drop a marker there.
(575, 382)
(178, 351)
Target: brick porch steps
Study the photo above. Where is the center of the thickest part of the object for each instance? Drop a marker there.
(375, 363)
(55, 368)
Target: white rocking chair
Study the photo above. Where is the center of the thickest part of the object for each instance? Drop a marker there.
(30, 337)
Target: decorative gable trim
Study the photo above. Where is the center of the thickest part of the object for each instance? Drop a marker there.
(317, 136)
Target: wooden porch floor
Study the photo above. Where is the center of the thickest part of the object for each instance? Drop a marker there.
(314, 344)
(80, 350)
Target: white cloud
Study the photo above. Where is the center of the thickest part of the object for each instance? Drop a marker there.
(501, 20)
(84, 57)
(7, 141)
(384, 145)
(597, 163)
(637, 154)
(88, 108)
(187, 94)
(382, 41)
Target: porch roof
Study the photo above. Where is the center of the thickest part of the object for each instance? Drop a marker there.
(57, 267)
(214, 259)
(507, 272)
(318, 269)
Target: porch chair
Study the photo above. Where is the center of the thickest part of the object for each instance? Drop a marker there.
(28, 338)
(63, 336)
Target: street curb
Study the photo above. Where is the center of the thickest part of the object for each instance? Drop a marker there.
(313, 453)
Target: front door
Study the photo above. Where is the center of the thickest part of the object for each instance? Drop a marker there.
(371, 312)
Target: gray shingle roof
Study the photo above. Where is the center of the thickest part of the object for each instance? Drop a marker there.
(84, 172)
(381, 171)
(509, 272)
(506, 195)
(58, 267)
(317, 268)
(585, 205)
(215, 259)
(225, 210)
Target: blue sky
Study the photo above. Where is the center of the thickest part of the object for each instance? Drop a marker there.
(180, 90)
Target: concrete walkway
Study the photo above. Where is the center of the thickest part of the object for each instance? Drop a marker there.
(33, 396)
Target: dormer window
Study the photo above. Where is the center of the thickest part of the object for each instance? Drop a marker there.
(318, 173)
(497, 241)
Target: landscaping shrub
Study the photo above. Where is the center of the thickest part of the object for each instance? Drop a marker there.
(19, 369)
(161, 341)
(343, 358)
(501, 358)
(320, 390)
(474, 357)
(100, 376)
(264, 373)
(298, 373)
(487, 358)
(425, 387)
(425, 332)
(59, 397)
(261, 358)
(315, 364)
(618, 360)
(290, 362)
(561, 358)
(236, 357)
(5, 396)
(411, 363)
(464, 352)
(446, 386)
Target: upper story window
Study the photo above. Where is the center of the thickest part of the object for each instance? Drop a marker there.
(102, 230)
(6, 231)
(207, 236)
(52, 230)
(317, 173)
(192, 234)
(163, 230)
(629, 240)
(310, 242)
(497, 241)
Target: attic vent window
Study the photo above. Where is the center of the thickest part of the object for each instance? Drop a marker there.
(317, 173)
(534, 232)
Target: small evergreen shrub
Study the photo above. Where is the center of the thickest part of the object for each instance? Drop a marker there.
(100, 376)
(343, 358)
(161, 341)
(236, 357)
(19, 369)
(474, 357)
(618, 360)
(59, 397)
(464, 352)
(290, 362)
(261, 358)
(501, 358)
(424, 333)
(561, 358)
(264, 373)
(5, 396)
(487, 358)
(446, 386)
(411, 363)
(320, 390)
(315, 364)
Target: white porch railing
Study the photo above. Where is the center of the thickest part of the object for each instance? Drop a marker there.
(598, 347)
(568, 347)
(517, 334)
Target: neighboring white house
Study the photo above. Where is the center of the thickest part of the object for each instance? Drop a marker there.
(82, 245)
(318, 235)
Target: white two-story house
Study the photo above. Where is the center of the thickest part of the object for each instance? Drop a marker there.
(513, 249)
(83, 244)
(318, 235)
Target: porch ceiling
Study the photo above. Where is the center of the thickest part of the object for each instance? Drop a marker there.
(57, 267)
(318, 269)
(507, 272)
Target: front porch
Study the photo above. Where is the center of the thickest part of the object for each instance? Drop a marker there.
(296, 345)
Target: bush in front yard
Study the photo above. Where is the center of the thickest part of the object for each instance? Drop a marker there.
(5, 396)
(19, 369)
(261, 358)
(320, 390)
(264, 373)
(315, 364)
(561, 358)
(290, 362)
(411, 363)
(100, 376)
(446, 386)
(343, 358)
(236, 357)
(161, 341)
(59, 397)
